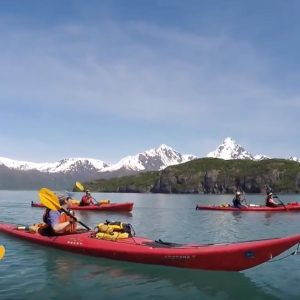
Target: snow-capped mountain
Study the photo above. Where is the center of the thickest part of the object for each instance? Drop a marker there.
(16, 174)
(151, 160)
(229, 149)
(261, 157)
(294, 158)
(65, 165)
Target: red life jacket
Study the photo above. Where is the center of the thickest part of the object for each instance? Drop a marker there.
(270, 202)
(86, 200)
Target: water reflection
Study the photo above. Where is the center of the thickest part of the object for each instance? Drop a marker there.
(237, 215)
(268, 218)
(89, 276)
(49, 274)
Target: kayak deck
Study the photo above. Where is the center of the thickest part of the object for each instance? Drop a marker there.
(289, 207)
(126, 206)
(222, 257)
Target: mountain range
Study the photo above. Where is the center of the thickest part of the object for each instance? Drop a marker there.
(16, 174)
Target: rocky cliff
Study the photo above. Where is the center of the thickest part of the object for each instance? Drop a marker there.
(211, 175)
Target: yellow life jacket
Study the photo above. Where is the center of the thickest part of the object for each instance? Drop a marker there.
(104, 201)
(114, 230)
(112, 236)
(74, 201)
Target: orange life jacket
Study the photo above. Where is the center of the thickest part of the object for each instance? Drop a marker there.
(65, 218)
(62, 218)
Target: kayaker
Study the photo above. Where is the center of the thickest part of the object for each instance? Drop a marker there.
(87, 199)
(270, 202)
(237, 201)
(58, 221)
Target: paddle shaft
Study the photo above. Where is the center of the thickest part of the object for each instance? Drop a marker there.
(276, 196)
(69, 214)
(95, 201)
(244, 199)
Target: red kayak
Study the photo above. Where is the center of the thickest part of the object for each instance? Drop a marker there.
(289, 207)
(218, 257)
(126, 206)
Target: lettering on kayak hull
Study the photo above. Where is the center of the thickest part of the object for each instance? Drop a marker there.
(179, 257)
(249, 254)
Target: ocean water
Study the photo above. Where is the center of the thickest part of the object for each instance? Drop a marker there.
(30, 271)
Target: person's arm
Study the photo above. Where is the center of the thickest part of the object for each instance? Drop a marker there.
(61, 227)
(54, 222)
(274, 201)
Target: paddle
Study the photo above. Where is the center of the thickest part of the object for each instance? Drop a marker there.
(2, 251)
(50, 200)
(81, 188)
(277, 197)
(244, 199)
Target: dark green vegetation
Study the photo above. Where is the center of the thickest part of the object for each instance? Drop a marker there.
(210, 175)
(140, 183)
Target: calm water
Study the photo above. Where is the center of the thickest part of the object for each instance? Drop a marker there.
(29, 271)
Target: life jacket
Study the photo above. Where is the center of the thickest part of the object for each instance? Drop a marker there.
(114, 230)
(63, 217)
(104, 201)
(270, 202)
(34, 228)
(86, 200)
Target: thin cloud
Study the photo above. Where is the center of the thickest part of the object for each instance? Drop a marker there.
(142, 72)
(74, 71)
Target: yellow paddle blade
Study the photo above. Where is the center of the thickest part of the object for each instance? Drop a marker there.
(79, 186)
(49, 199)
(2, 251)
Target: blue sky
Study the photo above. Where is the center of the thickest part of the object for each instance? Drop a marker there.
(106, 79)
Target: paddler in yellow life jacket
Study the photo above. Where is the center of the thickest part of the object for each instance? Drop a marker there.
(57, 221)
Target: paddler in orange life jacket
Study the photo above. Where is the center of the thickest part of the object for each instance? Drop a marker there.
(58, 221)
(87, 199)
